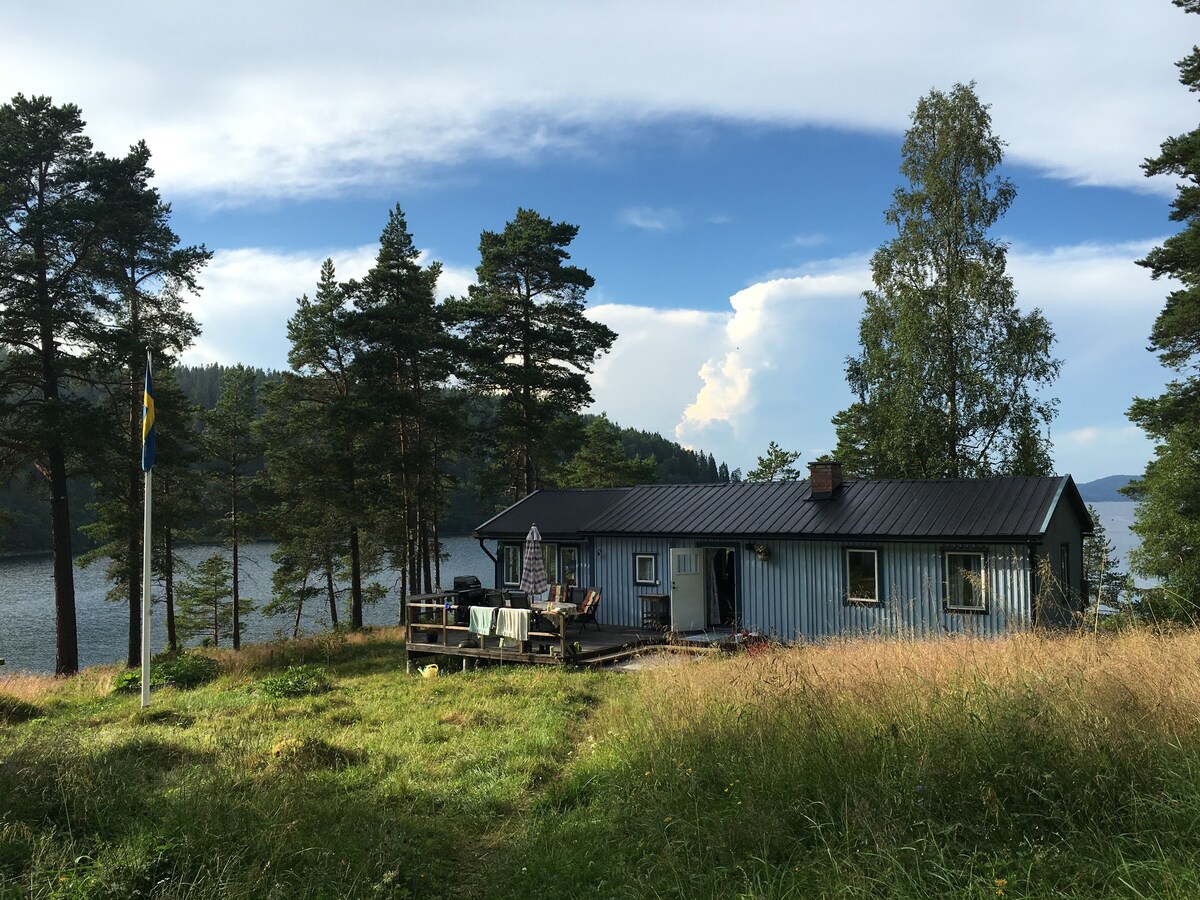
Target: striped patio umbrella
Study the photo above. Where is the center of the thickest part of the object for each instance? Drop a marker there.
(533, 568)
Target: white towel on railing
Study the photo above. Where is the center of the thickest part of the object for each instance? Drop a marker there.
(482, 620)
(513, 623)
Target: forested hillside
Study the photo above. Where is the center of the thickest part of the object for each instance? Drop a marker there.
(25, 517)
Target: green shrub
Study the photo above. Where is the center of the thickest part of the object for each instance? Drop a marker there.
(183, 670)
(295, 681)
(187, 670)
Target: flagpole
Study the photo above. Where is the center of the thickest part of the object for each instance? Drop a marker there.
(146, 595)
(147, 467)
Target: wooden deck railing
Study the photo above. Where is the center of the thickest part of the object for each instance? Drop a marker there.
(430, 627)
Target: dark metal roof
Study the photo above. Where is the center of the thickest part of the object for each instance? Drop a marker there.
(980, 509)
(986, 509)
(557, 513)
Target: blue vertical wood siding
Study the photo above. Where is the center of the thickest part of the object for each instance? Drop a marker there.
(799, 592)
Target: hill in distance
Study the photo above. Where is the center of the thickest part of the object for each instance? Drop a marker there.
(1106, 490)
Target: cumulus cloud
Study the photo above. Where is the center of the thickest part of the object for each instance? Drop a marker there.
(771, 365)
(783, 337)
(279, 100)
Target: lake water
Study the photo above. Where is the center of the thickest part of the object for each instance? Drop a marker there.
(27, 605)
(27, 599)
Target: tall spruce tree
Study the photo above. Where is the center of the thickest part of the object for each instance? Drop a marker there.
(949, 372)
(1167, 521)
(314, 422)
(406, 358)
(231, 442)
(529, 343)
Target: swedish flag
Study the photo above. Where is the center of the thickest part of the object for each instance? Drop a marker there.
(148, 420)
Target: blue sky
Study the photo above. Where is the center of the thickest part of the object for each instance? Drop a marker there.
(728, 166)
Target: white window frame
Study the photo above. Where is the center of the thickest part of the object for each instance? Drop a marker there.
(875, 578)
(512, 557)
(979, 555)
(564, 552)
(638, 559)
(550, 562)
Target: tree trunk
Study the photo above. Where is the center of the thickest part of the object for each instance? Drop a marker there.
(66, 650)
(169, 590)
(356, 601)
(237, 624)
(300, 607)
(66, 656)
(333, 613)
(133, 523)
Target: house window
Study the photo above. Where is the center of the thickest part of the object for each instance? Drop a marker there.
(568, 559)
(964, 580)
(550, 561)
(862, 576)
(512, 564)
(1064, 567)
(645, 568)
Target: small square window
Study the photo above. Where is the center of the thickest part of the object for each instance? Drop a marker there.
(964, 581)
(862, 576)
(645, 568)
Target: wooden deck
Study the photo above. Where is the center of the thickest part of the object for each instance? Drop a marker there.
(430, 630)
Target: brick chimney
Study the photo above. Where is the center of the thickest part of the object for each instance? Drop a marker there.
(824, 479)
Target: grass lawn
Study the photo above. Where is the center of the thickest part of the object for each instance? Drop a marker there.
(1027, 767)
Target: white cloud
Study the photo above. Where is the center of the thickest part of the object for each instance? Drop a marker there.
(274, 99)
(652, 219)
(249, 294)
(647, 378)
(807, 240)
(771, 366)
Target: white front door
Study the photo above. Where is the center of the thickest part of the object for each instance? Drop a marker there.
(687, 590)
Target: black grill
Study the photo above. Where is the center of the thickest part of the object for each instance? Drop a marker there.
(469, 593)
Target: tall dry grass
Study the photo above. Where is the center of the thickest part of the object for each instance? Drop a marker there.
(1057, 765)
(89, 684)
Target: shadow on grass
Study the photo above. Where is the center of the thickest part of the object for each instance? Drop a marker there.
(305, 818)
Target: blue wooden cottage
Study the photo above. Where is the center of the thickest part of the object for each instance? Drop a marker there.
(817, 558)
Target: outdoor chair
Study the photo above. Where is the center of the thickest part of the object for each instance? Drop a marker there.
(587, 609)
(558, 594)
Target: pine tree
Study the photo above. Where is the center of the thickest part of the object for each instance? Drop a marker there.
(601, 461)
(231, 442)
(147, 275)
(84, 251)
(406, 357)
(314, 420)
(1168, 515)
(777, 465)
(1105, 582)
(529, 343)
(206, 606)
